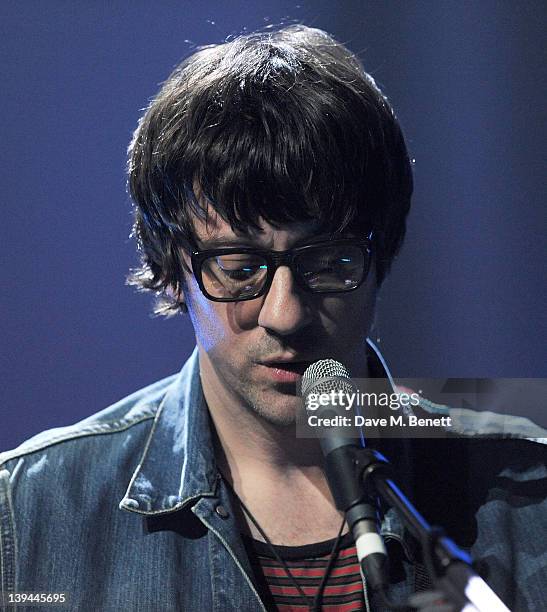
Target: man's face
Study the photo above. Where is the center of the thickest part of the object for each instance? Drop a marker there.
(253, 353)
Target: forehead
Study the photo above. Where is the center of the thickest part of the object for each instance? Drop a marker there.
(210, 228)
(214, 228)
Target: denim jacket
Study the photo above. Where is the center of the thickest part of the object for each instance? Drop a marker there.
(126, 511)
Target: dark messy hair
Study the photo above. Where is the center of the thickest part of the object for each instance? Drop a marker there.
(283, 126)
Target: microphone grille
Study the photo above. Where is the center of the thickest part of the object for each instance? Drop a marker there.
(324, 376)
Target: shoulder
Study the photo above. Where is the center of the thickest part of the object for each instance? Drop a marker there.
(96, 458)
(104, 439)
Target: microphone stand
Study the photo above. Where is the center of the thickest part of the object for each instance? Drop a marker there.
(449, 567)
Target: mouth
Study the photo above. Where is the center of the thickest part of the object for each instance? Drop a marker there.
(291, 366)
(286, 371)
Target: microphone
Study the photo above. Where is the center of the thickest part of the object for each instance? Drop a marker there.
(329, 379)
(349, 466)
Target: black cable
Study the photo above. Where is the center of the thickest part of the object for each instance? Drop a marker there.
(315, 606)
(317, 601)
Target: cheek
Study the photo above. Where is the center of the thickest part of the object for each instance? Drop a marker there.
(206, 319)
(218, 326)
(243, 316)
(203, 330)
(362, 305)
(349, 321)
(351, 314)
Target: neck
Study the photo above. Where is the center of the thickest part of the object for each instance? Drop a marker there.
(272, 471)
(250, 443)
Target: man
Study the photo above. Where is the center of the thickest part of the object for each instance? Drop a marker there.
(271, 184)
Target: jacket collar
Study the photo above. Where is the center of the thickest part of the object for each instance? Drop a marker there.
(177, 464)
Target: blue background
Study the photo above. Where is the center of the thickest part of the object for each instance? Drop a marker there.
(467, 296)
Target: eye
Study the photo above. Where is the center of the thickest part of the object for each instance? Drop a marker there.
(332, 268)
(332, 261)
(240, 267)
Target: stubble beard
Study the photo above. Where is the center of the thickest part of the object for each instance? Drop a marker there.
(268, 404)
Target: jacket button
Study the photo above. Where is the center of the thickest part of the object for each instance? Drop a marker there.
(222, 512)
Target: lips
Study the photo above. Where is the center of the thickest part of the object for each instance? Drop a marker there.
(285, 372)
(298, 367)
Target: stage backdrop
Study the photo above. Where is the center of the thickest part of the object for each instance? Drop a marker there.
(467, 296)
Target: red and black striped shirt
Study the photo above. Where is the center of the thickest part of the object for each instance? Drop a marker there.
(343, 590)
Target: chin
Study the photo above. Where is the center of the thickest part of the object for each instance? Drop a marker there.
(282, 415)
(281, 420)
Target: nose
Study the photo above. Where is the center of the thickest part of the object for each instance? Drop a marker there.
(284, 310)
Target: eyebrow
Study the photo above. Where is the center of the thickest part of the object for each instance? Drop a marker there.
(220, 241)
(242, 241)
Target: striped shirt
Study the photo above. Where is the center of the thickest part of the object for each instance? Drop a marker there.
(343, 590)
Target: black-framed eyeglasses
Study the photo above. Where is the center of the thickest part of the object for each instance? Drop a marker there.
(234, 274)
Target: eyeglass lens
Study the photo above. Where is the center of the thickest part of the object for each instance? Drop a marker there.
(236, 276)
(243, 275)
